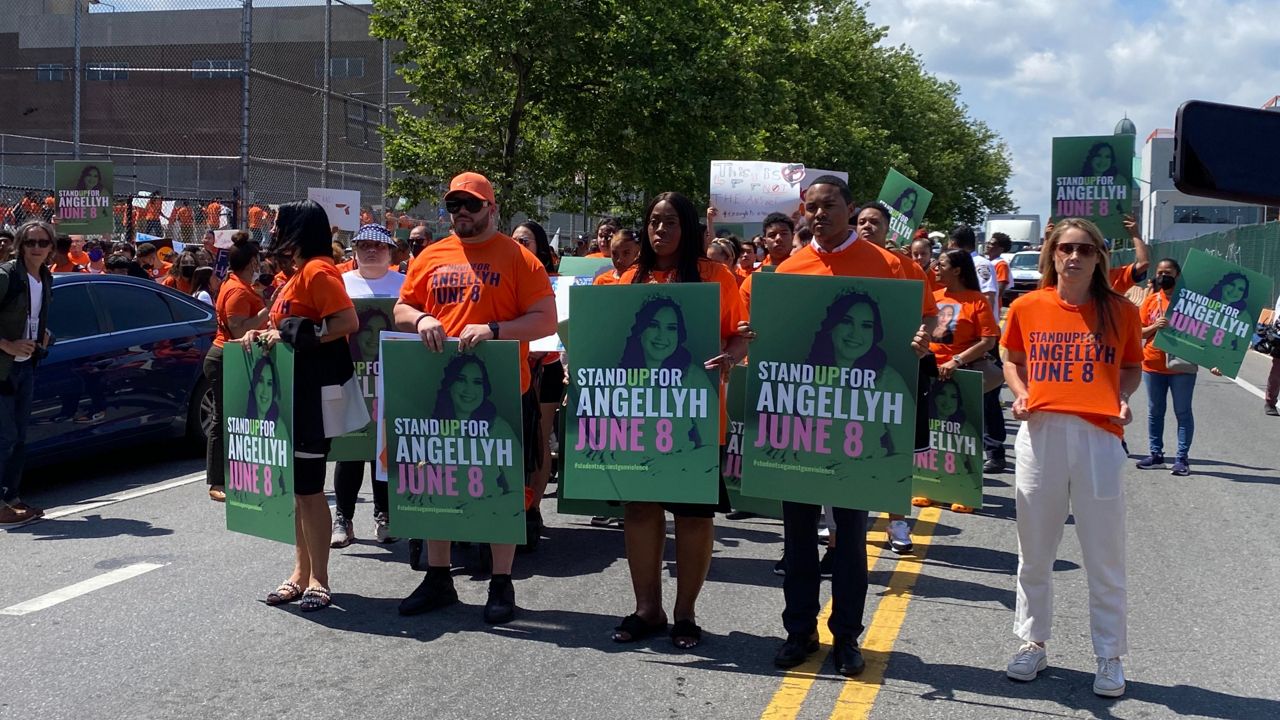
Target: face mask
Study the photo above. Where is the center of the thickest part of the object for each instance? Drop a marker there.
(1165, 282)
(95, 255)
(188, 271)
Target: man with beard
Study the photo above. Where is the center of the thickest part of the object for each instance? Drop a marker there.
(477, 284)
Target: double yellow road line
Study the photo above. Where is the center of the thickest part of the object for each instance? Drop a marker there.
(859, 694)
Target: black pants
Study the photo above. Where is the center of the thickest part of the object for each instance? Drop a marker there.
(215, 458)
(849, 574)
(348, 478)
(993, 432)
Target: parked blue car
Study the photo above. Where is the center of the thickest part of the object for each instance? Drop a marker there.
(125, 367)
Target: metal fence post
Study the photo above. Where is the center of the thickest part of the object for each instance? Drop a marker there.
(75, 110)
(246, 30)
(328, 87)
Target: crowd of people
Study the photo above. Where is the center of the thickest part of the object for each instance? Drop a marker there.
(288, 280)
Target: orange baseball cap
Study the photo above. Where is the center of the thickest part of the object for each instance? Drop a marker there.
(473, 184)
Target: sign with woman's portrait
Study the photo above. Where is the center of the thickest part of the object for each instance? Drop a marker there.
(644, 414)
(257, 395)
(1093, 179)
(1213, 312)
(376, 315)
(907, 201)
(950, 471)
(454, 440)
(84, 196)
(831, 393)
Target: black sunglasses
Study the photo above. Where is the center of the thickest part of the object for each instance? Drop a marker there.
(472, 204)
(37, 243)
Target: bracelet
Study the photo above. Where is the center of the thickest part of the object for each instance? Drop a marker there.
(418, 322)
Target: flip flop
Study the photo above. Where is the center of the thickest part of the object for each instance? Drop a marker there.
(636, 629)
(286, 593)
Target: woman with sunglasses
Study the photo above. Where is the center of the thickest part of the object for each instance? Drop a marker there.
(671, 250)
(1074, 357)
(313, 314)
(24, 336)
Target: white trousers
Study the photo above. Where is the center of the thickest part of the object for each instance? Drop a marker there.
(1064, 464)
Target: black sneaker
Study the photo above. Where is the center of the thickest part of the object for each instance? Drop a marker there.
(824, 566)
(501, 605)
(796, 650)
(993, 465)
(846, 656)
(434, 592)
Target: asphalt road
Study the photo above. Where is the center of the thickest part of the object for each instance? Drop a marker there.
(182, 631)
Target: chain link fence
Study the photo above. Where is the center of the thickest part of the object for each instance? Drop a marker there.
(233, 102)
(1256, 247)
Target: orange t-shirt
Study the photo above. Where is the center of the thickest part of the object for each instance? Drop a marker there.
(212, 214)
(477, 283)
(315, 292)
(235, 299)
(741, 274)
(185, 216)
(1122, 278)
(152, 210)
(963, 318)
(50, 203)
(732, 311)
(69, 266)
(79, 257)
(594, 255)
(30, 206)
(1068, 370)
(607, 278)
(860, 259)
(176, 282)
(346, 266)
(1002, 271)
(256, 216)
(1153, 308)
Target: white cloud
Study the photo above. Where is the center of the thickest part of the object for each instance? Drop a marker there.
(1033, 69)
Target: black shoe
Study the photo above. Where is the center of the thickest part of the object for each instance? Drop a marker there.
(415, 555)
(434, 592)
(501, 606)
(993, 465)
(846, 656)
(824, 567)
(796, 650)
(780, 567)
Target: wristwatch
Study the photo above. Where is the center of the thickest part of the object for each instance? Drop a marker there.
(493, 327)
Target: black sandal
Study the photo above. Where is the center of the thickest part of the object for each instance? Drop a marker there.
(686, 635)
(634, 628)
(315, 598)
(286, 593)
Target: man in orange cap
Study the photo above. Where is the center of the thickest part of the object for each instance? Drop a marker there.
(477, 284)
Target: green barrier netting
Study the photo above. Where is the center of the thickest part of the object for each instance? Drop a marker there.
(1256, 247)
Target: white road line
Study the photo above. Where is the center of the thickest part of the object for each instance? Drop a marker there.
(48, 600)
(56, 513)
(1250, 387)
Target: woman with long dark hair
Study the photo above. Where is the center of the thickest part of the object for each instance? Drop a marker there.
(204, 285)
(1074, 356)
(671, 250)
(314, 315)
(239, 309)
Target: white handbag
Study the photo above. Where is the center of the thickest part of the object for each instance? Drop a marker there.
(343, 408)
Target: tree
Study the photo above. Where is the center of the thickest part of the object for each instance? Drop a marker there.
(639, 97)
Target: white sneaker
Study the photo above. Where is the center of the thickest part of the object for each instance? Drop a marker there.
(824, 534)
(1109, 682)
(1027, 662)
(343, 533)
(380, 529)
(900, 537)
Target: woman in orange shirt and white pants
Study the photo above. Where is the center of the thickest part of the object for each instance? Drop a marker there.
(1074, 356)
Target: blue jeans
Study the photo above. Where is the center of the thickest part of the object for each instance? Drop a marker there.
(15, 415)
(1158, 387)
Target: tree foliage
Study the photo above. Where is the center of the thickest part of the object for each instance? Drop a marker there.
(639, 96)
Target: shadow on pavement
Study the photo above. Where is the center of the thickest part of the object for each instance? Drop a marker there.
(1071, 689)
(109, 472)
(88, 527)
(947, 588)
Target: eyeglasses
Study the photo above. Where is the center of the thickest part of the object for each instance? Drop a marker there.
(37, 243)
(370, 245)
(472, 204)
(1084, 250)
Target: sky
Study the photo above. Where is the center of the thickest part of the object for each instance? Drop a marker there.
(1035, 69)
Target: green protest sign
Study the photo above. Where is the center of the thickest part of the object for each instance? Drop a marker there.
(908, 201)
(831, 391)
(257, 401)
(644, 414)
(454, 440)
(1213, 312)
(951, 470)
(1093, 179)
(375, 315)
(583, 266)
(731, 462)
(576, 506)
(84, 196)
